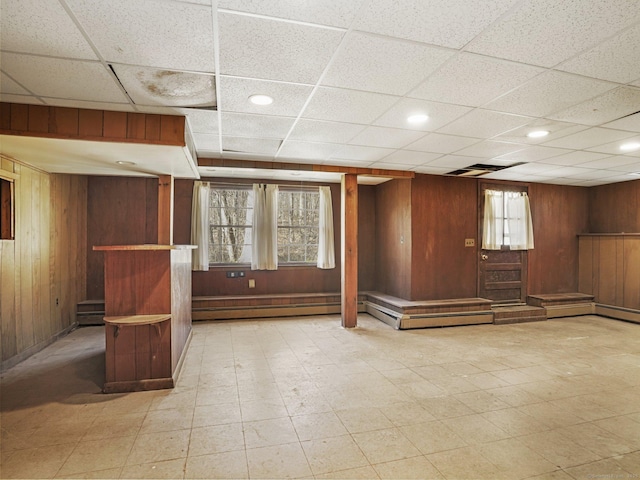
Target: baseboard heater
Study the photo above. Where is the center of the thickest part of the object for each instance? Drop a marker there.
(268, 311)
(619, 313)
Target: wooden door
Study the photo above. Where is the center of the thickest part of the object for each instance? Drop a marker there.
(502, 274)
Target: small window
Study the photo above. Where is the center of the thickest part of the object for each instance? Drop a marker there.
(6, 210)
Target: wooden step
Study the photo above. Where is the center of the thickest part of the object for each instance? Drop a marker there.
(518, 314)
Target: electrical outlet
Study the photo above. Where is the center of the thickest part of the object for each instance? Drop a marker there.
(469, 242)
(252, 283)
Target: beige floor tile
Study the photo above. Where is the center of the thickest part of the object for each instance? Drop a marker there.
(445, 407)
(358, 420)
(481, 401)
(89, 456)
(464, 463)
(362, 473)
(433, 437)
(168, 469)
(333, 454)
(551, 415)
(318, 425)
(266, 433)
(106, 426)
(559, 450)
(167, 420)
(622, 426)
(43, 462)
(108, 474)
(227, 465)
(207, 415)
(515, 459)
(556, 475)
(597, 440)
(380, 446)
(280, 461)
(159, 446)
(263, 410)
(607, 468)
(406, 413)
(307, 404)
(515, 396)
(415, 467)
(515, 422)
(176, 399)
(216, 439)
(475, 429)
(216, 394)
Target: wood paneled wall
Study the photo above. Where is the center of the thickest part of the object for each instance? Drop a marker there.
(101, 125)
(610, 269)
(443, 215)
(615, 208)
(366, 237)
(393, 238)
(42, 271)
(559, 214)
(120, 211)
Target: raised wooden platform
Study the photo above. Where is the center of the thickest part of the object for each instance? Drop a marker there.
(405, 314)
(564, 304)
(507, 314)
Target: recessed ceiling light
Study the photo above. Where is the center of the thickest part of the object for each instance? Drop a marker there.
(261, 99)
(628, 147)
(538, 133)
(123, 162)
(635, 174)
(418, 118)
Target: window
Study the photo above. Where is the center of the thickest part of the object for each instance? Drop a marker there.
(6, 210)
(231, 216)
(507, 221)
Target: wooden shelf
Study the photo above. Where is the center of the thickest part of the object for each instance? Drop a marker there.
(133, 320)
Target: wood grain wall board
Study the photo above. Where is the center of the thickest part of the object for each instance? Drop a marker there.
(615, 208)
(349, 251)
(172, 129)
(160, 360)
(153, 283)
(559, 214)
(180, 307)
(19, 117)
(631, 279)
(38, 120)
(24, 236)
(607, 270)
(5, 116)
(443, 215)
(90, 123)
(366, 237)
(145, 337)
(152, 128)
(165, 209)
(585, 271)
(115, 125)
(8, 323)
(64, 121)
(136, 126)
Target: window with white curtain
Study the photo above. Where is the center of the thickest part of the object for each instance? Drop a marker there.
(300, 220)
(507, 221)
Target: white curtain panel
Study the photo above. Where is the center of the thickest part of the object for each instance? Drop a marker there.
(326, 244)
(200, 226)
(264, 231)
(492, 232)
(519, 220)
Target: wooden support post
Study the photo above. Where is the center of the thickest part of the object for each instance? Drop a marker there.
(165, 210)
(349, 250)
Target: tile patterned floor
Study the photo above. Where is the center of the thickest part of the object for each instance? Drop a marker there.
(304, 398)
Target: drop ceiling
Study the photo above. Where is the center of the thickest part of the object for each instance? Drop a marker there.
(344, 77)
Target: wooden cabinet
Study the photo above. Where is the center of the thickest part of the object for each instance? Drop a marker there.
(147, 315)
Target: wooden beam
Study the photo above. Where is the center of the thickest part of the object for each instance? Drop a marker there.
(349, 251)
(165, 209)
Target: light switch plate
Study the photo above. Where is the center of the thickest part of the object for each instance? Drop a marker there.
(469, 242)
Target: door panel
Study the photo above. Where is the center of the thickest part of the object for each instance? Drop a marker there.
(502, 273)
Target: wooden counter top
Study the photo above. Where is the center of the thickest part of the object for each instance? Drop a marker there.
(137, 319)
(114, 248)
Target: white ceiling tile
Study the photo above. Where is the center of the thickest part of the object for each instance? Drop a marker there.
(60, 78)
(306, 150)
(288, 98)
(11, 98)
(484, 124)
(589, 138)
(384, 165)
(453, 162)
(568, 171)
(490, 149)
(385, 137)
(593, 174)
(347, 162)
(348, 106)
(534, 154)
(613, 148)
(337, 13)
(408, 157)
(532, 168)
(556, 130)
(515, 176)
(450, 24)
(548, 93)
(384, 65)
(274, 50)
(245, 125)
(440, 114)
(172, 35)
(626, 167)
(474, 80)
(573, 158)
(609, 162)
(599, 181)
(432, 170)
(611, 106)
(550, 31)
(322, 131)
(151, 86)
(261, 146)
(206, 142)
(360, 153)
(41, 27)
(615, 59)
(630, 123)
(62, 102)
(9, 87)
(201, 121)
(438, 143)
